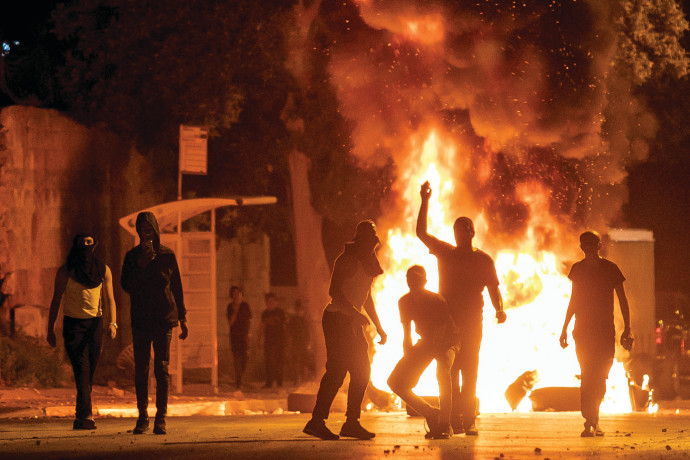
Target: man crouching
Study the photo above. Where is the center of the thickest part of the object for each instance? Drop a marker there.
(438, 340)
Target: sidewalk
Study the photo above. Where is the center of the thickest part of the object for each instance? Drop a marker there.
(115, 402)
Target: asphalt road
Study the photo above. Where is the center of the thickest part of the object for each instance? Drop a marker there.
(532, 435)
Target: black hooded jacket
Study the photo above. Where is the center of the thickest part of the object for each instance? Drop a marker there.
(155, 290)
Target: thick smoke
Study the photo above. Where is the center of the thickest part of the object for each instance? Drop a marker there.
(526, 91)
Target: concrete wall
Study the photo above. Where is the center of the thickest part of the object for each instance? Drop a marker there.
(61, 178)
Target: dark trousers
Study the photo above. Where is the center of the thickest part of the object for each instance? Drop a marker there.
(595, 358)
(274, 351)
(83, 345)
(467, 364)
(239, 357)
(142, 340)
(409, 369)
(346, 351)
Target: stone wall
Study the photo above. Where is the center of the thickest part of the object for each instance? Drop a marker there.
(60, 179)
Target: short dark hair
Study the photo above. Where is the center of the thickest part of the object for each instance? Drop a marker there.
(234, 288)
(270, 295)
(590, 236)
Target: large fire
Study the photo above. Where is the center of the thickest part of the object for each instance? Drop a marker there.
(530, 279)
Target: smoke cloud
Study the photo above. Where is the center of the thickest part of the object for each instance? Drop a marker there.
(525, 89)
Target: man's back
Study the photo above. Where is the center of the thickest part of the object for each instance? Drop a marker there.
(593, 286)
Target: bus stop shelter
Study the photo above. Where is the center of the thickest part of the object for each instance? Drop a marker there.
(196, 257)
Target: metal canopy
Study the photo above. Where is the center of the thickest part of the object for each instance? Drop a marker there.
(167, 213)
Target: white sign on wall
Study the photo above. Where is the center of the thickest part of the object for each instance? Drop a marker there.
(193, 150)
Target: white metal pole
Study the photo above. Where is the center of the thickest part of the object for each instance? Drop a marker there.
(214, 306)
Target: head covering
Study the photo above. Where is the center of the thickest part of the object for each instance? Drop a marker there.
(366, 229)
(82, 264)
(149, 217)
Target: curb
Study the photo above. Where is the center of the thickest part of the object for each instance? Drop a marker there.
(211, 408)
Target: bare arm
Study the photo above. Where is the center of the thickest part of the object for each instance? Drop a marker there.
(61, 278)
(371, 311)
(568, 316)
(625, 308)
(407, 329)
(235, 312)
(422, 232)
(497, 302)
(110, 302)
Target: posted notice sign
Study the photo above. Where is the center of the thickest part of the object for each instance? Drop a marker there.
(193, 150)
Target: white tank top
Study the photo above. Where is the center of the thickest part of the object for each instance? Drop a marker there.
(81, 302)
(355, 289)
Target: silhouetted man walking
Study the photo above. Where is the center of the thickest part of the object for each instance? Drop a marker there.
(594, 281)
(343, 322)
(151, 277)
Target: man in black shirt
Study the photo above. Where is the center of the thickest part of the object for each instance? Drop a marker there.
(594, 281)
(239, 318)
(151, 277)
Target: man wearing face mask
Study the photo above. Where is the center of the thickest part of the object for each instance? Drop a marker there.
(346, 347)
(150, 275)
(83, 286)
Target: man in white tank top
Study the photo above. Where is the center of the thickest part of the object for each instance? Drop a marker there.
(346, 347)
(79, 289)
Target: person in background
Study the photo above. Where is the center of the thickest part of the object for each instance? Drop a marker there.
(83, 285)
(151, 277)
(438, 340)
(299, 334)
(463, 271)
(272, 333)
(239, 318)
(595, 279)
(343, 329)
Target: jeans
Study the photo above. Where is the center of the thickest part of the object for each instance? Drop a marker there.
(467, 363)
(346, 351)
(410, 368)
(83, 345)
(142, 340)
(274, 351)
(595, 358)
(239, 349)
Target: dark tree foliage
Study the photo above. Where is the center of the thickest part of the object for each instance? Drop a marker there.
(29, 55)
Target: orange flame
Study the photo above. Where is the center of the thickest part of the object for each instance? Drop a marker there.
(531, 284)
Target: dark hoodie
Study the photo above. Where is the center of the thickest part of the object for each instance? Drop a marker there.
(156, 289)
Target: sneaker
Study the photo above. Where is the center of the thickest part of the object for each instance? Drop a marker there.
(141, 427)
(318, 429)
(159, 426)
(84, 424)
(588, 432)
(431, 424)
(471, 430)
(456, 424)
(598, 431)
(439, 434)
(352, 429)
